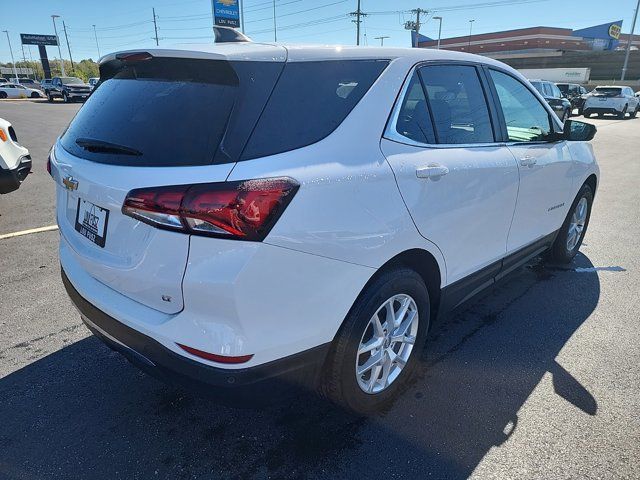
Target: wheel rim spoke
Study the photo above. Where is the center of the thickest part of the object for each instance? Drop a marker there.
(370, 363)
(375, 342)
(386, 343)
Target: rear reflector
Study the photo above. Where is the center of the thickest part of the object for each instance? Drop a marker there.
(245, 210)
(215, 358)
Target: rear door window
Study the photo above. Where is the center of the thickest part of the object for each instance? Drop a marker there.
(458, 105)
(310, 100)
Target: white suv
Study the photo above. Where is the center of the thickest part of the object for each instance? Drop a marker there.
(246, 215)
(614, 100)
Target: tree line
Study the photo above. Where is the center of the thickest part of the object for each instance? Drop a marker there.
(83, 69)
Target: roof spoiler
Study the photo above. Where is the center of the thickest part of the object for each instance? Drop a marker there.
(229, 35)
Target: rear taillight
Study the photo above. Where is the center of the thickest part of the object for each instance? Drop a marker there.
(243, 210)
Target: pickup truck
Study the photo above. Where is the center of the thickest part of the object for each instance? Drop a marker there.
(67, 88)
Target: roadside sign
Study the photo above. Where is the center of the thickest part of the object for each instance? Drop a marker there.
(35, 39)
(18, 70)
(226, 13)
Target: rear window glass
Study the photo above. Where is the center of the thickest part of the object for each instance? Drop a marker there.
(310, 100)
(170, 112)
(609, 91)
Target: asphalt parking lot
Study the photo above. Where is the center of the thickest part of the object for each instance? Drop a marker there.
(538, 378)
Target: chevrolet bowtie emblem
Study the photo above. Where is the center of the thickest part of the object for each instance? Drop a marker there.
(70, 183)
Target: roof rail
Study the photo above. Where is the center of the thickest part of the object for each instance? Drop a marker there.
(229, 35)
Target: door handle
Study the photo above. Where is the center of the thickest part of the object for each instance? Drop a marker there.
(528, 161)
(432, 171)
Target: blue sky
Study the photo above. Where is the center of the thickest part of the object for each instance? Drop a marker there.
(124, 24)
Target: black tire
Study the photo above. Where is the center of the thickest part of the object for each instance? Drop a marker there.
(622, 115)
(339, 382)
(35, 95)
(635, 112)
(587, 115)
(49, 97)
(559, 252)
(3, 94)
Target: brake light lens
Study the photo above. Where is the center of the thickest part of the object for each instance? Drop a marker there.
(245, 210)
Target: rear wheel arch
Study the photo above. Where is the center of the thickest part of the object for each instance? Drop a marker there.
(422, 262)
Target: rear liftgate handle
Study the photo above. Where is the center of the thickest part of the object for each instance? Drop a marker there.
(434, 172)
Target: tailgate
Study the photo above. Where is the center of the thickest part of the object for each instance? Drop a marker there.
(141, 262)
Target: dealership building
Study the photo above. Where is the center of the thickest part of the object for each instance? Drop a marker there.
(600, 48)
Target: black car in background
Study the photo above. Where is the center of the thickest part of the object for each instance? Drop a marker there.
(575, 93)
(554, 98)
(67, 88)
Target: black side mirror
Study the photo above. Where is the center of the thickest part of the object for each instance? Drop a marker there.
(576, 131)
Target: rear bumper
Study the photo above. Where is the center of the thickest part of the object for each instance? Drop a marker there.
(10, 179)
(244, 387)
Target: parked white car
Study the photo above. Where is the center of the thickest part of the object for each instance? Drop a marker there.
(93, 81)
(14, 90)
(15, 161)
(307, 211)
(612, 100)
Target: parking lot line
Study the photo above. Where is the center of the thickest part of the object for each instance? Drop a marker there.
(27, 232)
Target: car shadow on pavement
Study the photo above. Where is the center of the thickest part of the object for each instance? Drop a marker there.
(84, 412)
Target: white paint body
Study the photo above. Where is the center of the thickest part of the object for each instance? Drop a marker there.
(10, 152)
(15, 90)
(359, 205)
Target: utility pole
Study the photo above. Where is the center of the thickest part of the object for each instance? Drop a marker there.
(628, 49)
(15, 71)
(415, 26)
(96, 35)
(358, 14)
(53, 17)
(155, 27)
(68, 46)
(275, 25)
(470, 30)
(381, 39)
(439, 30)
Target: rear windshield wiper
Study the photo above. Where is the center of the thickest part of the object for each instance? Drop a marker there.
(100, 146)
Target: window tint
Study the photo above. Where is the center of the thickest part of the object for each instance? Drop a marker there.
(527, 120)
(556, 93)
(457, 102)
(171, 112)
(413, 120)
(310, 100)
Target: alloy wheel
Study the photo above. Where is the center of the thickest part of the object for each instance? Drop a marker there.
(386, 344)
(578, 220)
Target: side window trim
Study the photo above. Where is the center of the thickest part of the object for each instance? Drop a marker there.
(390, 132)
(556, 128)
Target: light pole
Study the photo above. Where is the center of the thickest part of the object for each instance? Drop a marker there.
(381, 39)
(96, 35)
(439, 29)
(15, 71)
(53, 17)
(470, 30)
(275, 25)
(626, 54)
